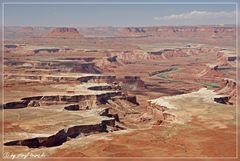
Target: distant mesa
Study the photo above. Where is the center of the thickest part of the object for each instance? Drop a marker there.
(177, 31)
(133, 31)
(65, 32)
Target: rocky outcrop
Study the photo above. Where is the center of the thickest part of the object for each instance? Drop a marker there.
(101, 88)
(59, 65)
(64, 78)
(226, 59)
(132, 99)
(112, 59)
(86, 68)
(109, 122)
(75, 131)
(103, 98)
(54, 140)
(132, 83)
(87, 101)
(156, 115)
(130, 57)
(105, 112)
(63, 135)
(109, 63)
(181, 52)
(98, 79)
(211, 70)
(121, 106)
(228, 84)
(228, 87)
(76, 102)
(34, 103)
(64, 32)
(113, 86)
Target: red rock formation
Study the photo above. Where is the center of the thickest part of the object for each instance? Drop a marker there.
(128, 57)
(109, 63)
(64, 32)
(106, 112)
(226, 59)
(66, 134)
(156, 115)
(132, 82)
(85, 101)
(182, 52)
(132, 99)
(211, 71)
(66, 66)
(63, 135)
(189, 31)
(98, 79)
(229, 88)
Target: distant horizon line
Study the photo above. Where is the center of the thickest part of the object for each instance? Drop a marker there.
(217, 25)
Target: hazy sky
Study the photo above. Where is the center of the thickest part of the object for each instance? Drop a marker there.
(82, 15)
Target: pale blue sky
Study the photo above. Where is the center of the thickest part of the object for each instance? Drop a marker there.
(79, 15)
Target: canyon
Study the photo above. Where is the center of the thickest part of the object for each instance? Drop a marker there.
(120, 91)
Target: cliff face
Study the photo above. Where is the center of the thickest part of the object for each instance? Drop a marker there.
(65, 66)
(85, 101)
(98, 79)
(183, 52)
(156, 115)
(63, 135)
(128, 57)
(227, 59)
(64, 32)
(229, 88)
(132, 83)
(211, 70)
(108, 63)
